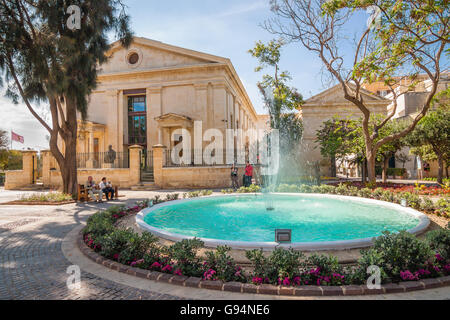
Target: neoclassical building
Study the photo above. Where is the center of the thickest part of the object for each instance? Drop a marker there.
(149, 90)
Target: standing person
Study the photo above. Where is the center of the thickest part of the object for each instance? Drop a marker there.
(248, 174)
(426, 169)
(234, 177)
(107, 188)
(93, 190)
(419, 168)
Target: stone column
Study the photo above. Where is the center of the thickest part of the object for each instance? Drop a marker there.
(46, 163)
(154, 109)
(158, 162)
(29, 161)
(90, 161)
(135, 164)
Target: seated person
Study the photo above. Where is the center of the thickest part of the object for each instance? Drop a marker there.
(107, 188)
(93, 190)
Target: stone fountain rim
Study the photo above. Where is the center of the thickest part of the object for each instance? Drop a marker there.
(424, 222)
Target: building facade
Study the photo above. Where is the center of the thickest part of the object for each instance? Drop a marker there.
(148, 92)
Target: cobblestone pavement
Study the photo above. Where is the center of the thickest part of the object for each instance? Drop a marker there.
(32, 265)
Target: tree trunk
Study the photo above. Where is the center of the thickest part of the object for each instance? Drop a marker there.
(370, 161)
(441, 169)
(385, 167)
(333, 166)
(67, 160)
(363, 171)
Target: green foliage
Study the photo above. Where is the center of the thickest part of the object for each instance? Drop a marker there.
(185, 255)
(224, 265)
(439, 241)
(251, 189)
(285, 98)
(394, 253)
(45, 197)
(430, 139)
(280, 264)
(10, 160)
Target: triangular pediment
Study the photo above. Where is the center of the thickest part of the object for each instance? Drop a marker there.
(154, 55)
(335, 96)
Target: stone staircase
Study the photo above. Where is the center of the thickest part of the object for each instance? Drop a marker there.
(147, 182)
(147, 176)
(145, 186)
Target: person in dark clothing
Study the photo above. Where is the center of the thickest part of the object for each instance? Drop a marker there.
(234, 177)
(107, 189)
(248, 175)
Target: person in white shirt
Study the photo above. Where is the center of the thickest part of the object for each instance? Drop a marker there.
(107, 189)
(94, 190)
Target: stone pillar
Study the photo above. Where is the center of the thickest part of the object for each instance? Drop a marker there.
(154, 109)
(46, 164)
(135, 164)
(90, 161)
(29, 161)
(158, 162)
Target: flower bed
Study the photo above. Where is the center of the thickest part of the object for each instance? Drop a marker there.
(419, 189)
(43, 198)
(400, 257)
(441, 207)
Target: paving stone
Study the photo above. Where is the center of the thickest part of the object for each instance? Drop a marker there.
(232, 287)
(192, 282)
(213, 285)
(307, 291)
(249, 288)
(332, 291)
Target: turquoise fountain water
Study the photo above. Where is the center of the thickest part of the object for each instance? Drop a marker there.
(246, 219)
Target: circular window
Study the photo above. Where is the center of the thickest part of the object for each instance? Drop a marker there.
(133, 58)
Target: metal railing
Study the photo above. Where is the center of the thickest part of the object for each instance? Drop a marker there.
(197, 158)
(103, 160)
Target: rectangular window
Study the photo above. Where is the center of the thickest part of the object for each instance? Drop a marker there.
(137, 120)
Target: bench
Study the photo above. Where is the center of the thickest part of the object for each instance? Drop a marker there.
(83, 194)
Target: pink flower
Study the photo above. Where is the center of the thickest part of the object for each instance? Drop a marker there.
(155, 265)
(257, 280)
(286, 282)
(439, 257)
(116, 256)
(407, 275)
(209, 275)
(167, 268)
(133, 263)
(178, 272)
(297, 280)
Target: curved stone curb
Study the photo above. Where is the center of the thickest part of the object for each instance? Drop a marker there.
(305, 291)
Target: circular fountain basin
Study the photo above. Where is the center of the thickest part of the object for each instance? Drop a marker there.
(317, 221)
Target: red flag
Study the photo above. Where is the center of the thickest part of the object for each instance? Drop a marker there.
(16, 137)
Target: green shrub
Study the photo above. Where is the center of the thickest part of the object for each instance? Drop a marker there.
(377, 193)
(398, 252)
(323, 270)
(413, 199)
(114, 243)
(388, 196)
(279, 265)
(365, 192)
(288, 188)
(304, 188)
(99, 224)
(184, 254)
(427, 205)
(224, 265)
(45, 197)
(439, 241)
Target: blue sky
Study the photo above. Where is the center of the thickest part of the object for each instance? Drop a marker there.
(224, 28)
